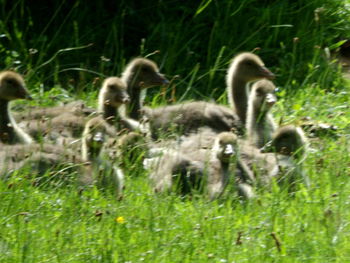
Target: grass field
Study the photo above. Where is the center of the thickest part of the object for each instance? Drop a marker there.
(55, 223)
(59, 223)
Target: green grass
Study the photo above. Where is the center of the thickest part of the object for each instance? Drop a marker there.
(54, 223)
(62, 224)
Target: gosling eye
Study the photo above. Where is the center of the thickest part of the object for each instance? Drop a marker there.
(10, 82)
(145, 70)
(259, 92)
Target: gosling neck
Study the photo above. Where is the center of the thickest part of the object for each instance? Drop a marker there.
(90, 154)
(238, 97)
(136, 94)
(7, 133)
(224, 165)
(259, 115)
(10, 133)
(255, 117)
(109, 113)
(136, 101)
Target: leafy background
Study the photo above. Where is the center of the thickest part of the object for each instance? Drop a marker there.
(195, 39)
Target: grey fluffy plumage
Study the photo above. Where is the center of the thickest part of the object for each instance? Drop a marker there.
(204, 169)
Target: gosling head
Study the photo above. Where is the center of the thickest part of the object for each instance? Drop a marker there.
(114, 92)
(225, 146)
(249, 67)
(144, 73)
(94, 136)
(12, 86)
(288, 140)
(263, 95)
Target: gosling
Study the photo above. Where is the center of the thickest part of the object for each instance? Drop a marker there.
(244, 68)
(206, 169)
(260, 125)
(139, 75)
(12, 87)
(191, 116)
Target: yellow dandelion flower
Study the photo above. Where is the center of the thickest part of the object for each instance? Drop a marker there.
(120, 220)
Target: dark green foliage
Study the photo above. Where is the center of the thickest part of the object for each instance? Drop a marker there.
(195, 40)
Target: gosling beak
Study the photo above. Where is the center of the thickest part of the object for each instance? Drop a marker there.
(267, 147)
(28, 97)
(267, 73)
(159, 79)
(165, 81)
(228, 150)
(126, 100)
(98, 138)
(24, 94)
(270, 99)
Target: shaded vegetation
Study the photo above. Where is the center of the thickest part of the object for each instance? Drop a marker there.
(196, 40)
